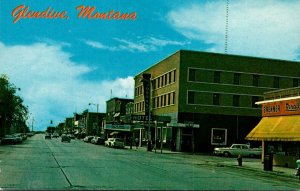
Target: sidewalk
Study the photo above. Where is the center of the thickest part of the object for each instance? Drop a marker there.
(256, 166)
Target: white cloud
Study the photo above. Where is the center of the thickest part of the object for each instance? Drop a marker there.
(140, 45)
(268, 28)
(51, 83)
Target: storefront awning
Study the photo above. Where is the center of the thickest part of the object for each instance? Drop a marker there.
(279, 128)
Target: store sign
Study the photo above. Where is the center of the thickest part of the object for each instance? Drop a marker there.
(146, 84)
(140, 118)
(287, 107)
(117, 127)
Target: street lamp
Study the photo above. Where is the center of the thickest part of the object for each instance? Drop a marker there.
(97, 105)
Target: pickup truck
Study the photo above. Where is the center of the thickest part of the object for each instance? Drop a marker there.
(238, 149)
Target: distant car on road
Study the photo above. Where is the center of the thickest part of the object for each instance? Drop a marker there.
(98, 140)
(55, 135)
(88, 139)
(65, 138)
(114, 142)
(47, 136)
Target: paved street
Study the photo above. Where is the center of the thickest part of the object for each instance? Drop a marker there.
(50, 164)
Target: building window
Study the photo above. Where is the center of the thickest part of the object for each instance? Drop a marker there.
(158, 82)
(191, 97)
(169, 98)
(162, 81)
(236, 78)
(254, 100)
(255, 81)
(295, 82)
(216, 99)
(170, 77)
(174, 78)
(166, 79)
(165, 100)
(157, 102)
(218, 136)
(276, 82)
(217, 77)
(236, 101)
(192, 75)
(173, 100)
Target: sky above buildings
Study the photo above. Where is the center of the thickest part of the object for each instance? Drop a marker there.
(62, 65)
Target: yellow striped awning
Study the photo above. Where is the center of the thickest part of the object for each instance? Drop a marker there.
(279, 128)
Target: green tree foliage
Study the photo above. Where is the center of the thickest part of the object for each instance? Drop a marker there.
(13, 114)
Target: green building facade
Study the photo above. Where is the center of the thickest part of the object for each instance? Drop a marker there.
(211, 97)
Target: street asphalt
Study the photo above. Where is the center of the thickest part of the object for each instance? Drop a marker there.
(45, 164)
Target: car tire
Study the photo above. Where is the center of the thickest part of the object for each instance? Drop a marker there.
(227, 154)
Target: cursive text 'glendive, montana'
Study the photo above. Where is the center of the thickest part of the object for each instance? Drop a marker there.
(23, 12)
(83, 12)
(91, 13)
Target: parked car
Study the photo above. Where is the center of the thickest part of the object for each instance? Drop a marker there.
(65, 138)
(88, 139)
(47, 136)
(71, 136)
(18, 138)
(114, 142)
(98, 140)
(55, 135)
(30, 134)
(238, 149)
(24, 136)
(8, 139)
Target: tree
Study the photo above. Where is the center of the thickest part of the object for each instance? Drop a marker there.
(13, 114)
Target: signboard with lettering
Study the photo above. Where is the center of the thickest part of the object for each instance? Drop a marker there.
(285, 107)
(118, 127)
(146, 84)
(140, 118)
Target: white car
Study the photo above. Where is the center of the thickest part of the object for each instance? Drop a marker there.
(114, 142)
(238, 149)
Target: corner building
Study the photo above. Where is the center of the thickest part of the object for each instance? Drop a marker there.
(209, 97)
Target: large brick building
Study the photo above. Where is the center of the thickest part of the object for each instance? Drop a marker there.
(210, 97)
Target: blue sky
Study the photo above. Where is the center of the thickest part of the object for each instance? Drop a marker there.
(62, 65)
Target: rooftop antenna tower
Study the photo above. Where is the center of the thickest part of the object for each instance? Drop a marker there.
(226, 26)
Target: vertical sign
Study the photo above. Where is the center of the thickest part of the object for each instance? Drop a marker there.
(146, 84)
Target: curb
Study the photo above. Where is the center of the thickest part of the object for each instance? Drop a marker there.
(276, 173)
